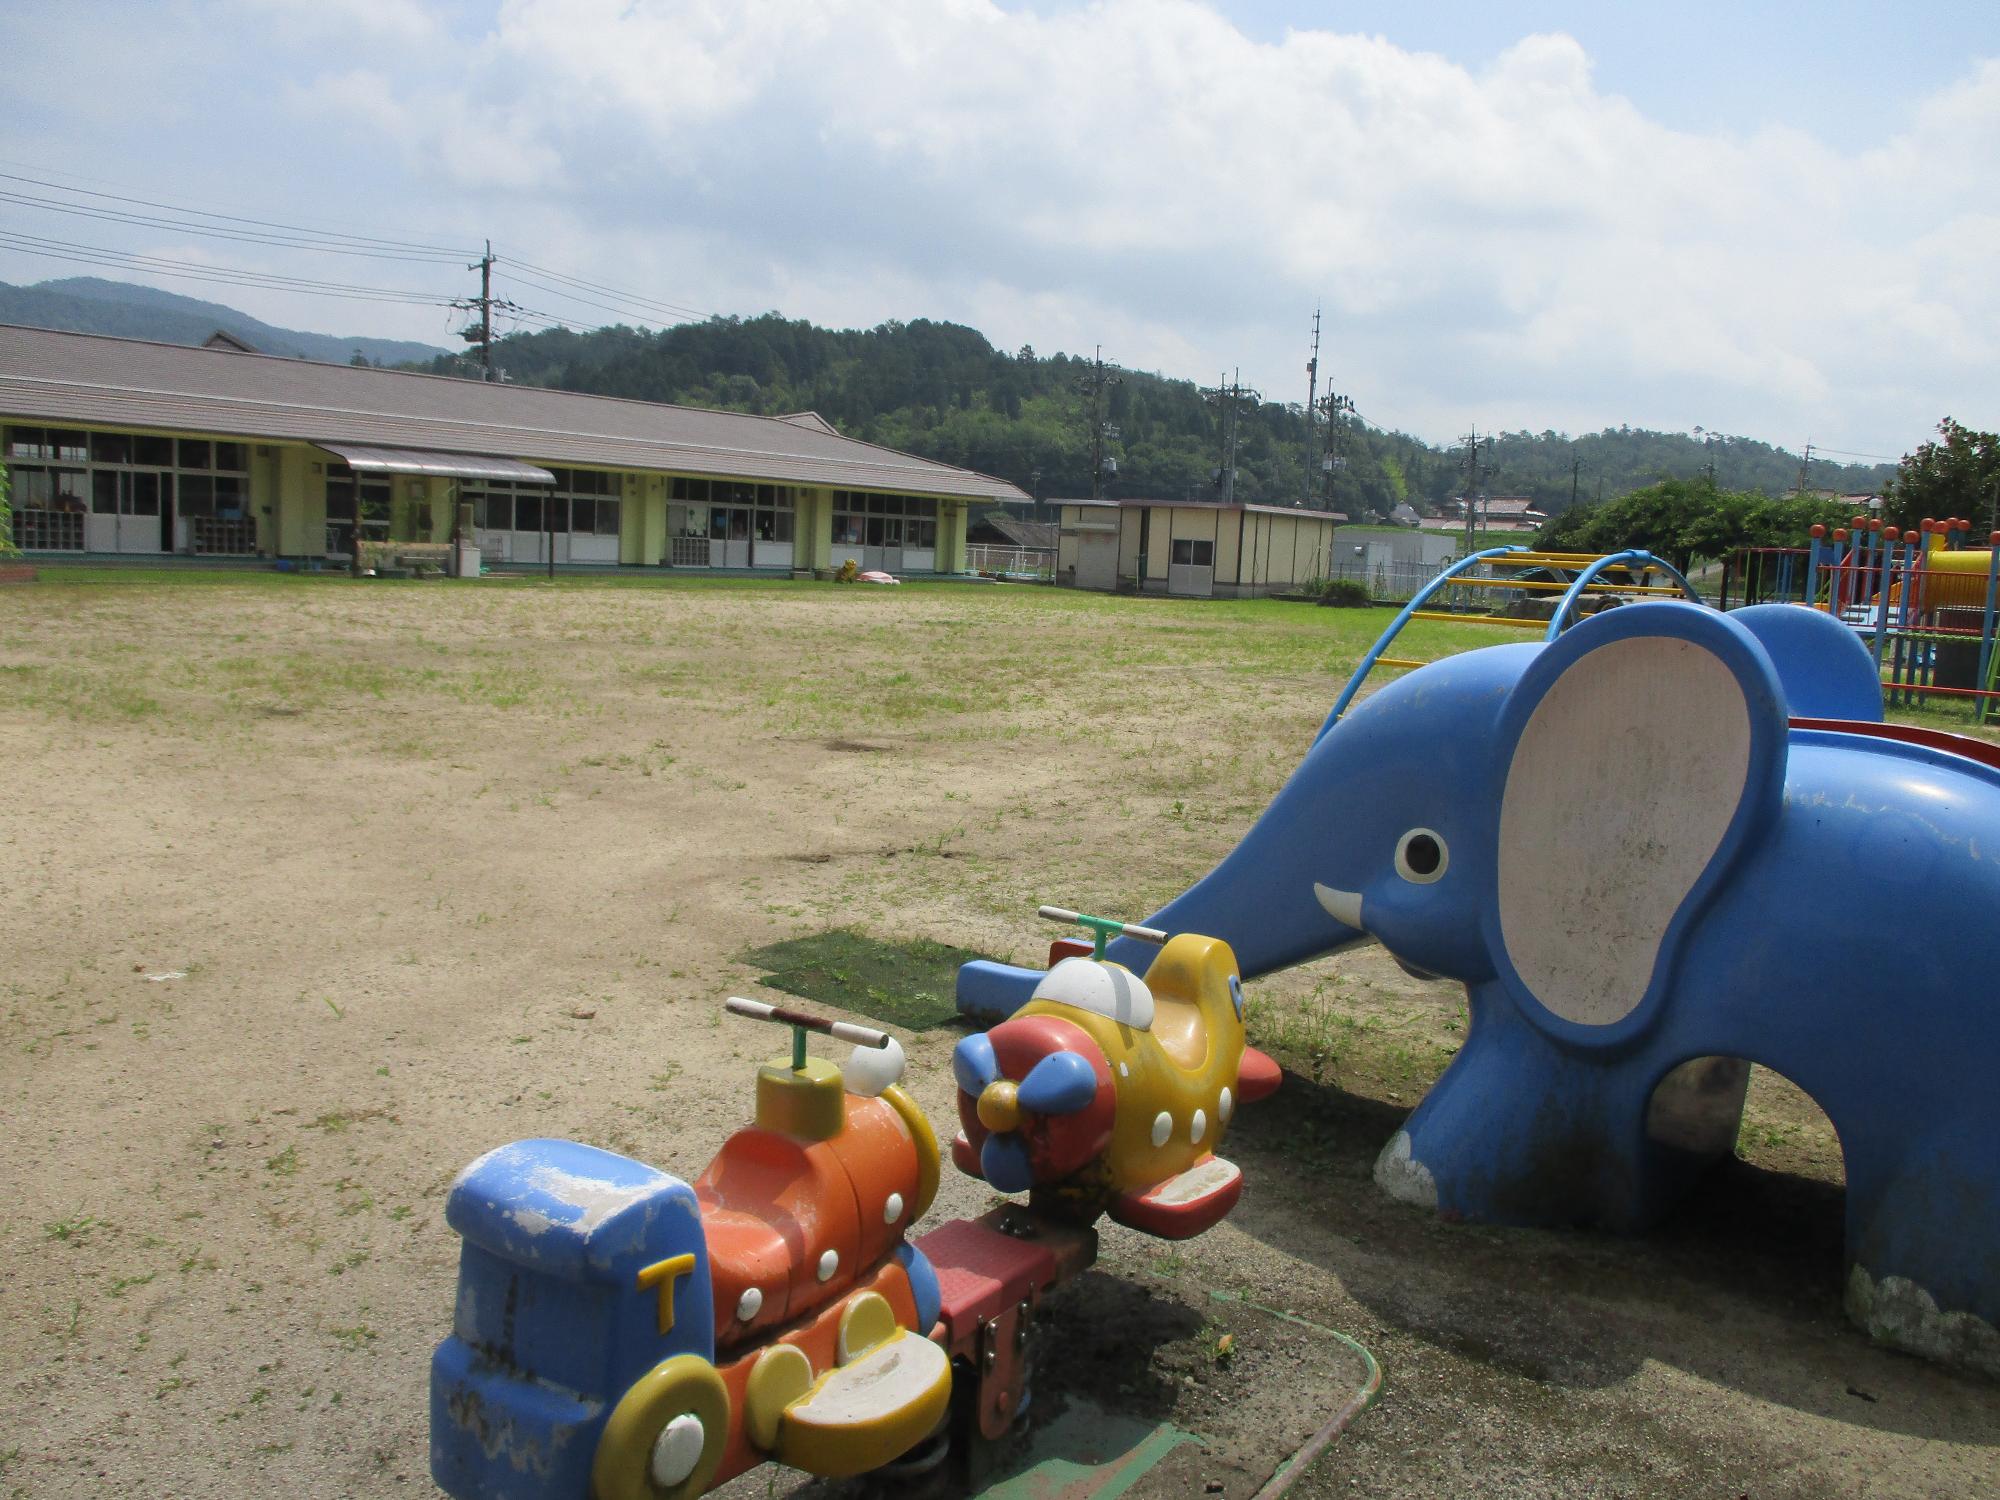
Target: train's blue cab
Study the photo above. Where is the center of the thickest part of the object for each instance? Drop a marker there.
(581, 1271)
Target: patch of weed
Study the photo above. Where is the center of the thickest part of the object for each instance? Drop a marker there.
(905, 984)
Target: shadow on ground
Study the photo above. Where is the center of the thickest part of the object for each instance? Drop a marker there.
(1740, 1287)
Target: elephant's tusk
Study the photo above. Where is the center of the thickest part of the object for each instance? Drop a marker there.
(1343, 906)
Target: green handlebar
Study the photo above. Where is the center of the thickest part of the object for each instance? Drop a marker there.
(1103, 929)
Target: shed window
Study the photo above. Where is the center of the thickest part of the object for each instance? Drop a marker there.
(1189, 552)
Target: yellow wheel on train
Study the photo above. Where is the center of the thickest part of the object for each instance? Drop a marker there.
(665, 1437)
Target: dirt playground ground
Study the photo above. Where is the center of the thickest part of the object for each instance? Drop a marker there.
(316, 890)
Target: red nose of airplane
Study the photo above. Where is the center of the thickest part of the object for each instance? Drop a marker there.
(1036, 1099)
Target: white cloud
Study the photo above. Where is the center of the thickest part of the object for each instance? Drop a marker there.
(1508, 245)
(407, 23)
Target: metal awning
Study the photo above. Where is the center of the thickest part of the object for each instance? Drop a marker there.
(446, 465)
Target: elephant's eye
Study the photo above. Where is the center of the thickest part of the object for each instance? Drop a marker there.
(1421, 856)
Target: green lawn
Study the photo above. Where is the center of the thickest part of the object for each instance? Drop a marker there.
(1250, 635)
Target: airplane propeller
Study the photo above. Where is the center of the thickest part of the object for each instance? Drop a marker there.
(1059, 1084)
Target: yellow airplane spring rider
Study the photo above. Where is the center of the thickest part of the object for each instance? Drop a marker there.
(1109, 1093)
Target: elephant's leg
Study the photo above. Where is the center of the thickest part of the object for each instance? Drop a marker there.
(1923, 1242)
(1520, 1132)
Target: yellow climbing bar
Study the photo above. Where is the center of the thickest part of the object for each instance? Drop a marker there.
(1547, 585)
(1451, 619)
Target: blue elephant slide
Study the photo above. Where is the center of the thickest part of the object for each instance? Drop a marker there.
(1666, 846)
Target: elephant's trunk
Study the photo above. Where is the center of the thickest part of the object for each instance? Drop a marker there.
(1259, 900)
(1270, 923)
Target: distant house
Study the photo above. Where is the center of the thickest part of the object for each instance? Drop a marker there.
(1498, 512)
(222, 338)
(997, 542)
(1405, 515)
(126, 446)
(1192, 548)
(999, 528)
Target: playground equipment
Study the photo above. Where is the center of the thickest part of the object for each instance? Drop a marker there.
(1923, 600)
(1525, 588)
(1643, 845)
(1108, 1093)
(621, 1334)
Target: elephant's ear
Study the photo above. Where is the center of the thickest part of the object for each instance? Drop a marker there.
(1638, 756)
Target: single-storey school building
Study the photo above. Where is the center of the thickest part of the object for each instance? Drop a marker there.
(121, 446)
(1192, 548)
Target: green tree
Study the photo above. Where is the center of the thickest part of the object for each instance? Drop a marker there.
(1662, 518)
(1959, 476)
(1684, 520)
(942, 390)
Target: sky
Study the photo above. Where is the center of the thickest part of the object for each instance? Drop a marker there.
(1777, 221)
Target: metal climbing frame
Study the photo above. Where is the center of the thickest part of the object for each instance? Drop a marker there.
(1922, 600)
(1505, 567)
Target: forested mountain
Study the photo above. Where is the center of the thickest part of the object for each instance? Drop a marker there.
(942, 391)
(91, 304)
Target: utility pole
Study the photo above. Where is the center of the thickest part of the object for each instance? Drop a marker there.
(1575, 469)
(1332, 459)
(1708, 441)
(1093, 386)
(1312, 410)
(481, 333)
(1229, 398)
(1475, 473)
(1332, 407)
(1805, 466)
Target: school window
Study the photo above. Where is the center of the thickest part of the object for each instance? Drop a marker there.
(147, 494)
(865, 519)
(581, 502)
(1191, 553)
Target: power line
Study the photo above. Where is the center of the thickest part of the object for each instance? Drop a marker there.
(633, 298)
(246, 236)
(211, 224)
(293, 236)
(98, 255)
(202, 213)
(522, 314)
(1880, 458)
(642, 316)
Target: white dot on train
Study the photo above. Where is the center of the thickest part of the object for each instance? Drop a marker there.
(677, 1450)
(893, 1209)
(1197, 1127)
(828, 1264)
(1163, 1126)
(749, 1305)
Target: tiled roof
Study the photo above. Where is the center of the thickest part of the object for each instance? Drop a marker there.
(1020, 533)
(91, 380)
(1263, 510)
